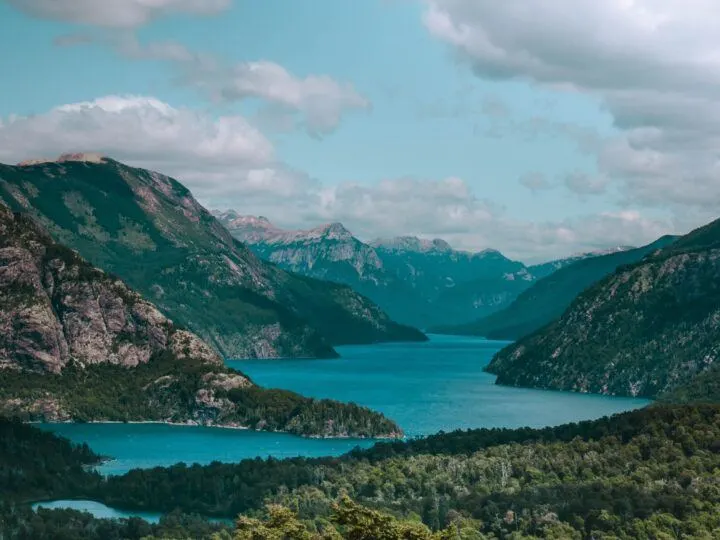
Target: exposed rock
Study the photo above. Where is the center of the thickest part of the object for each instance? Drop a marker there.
(418, 282)
(76, 344)
(57, 308)
(148, 229)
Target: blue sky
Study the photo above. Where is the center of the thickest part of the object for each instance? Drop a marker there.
(432, 135)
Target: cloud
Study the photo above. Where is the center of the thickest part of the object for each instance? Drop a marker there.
(115, 13)
(315, 103)
(140, 128)
(223, 157)
(228, 163)
(653, 64)
(582, 183)
(321, 100)
(407, 205)
(535, 181)
(447, 208)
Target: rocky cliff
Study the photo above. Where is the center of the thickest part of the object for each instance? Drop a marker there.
(78, 344)
(149, 230)
(645, 330)
(57, 308)
(416, 281)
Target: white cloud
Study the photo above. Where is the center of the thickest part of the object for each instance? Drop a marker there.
(225, 158)
(115, 13)
(448, 209)
(227, 163)
(320, 99)
(654, 64)
(317, 103)
(138, 128)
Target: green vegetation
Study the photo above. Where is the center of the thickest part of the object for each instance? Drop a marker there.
(166, 389)
(646, 330)
(35, 464)
(650, 473)
(547, 299)
(705, 388)
(147, 229)
(637, 475)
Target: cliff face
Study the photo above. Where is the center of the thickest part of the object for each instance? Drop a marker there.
(78, 344)
(645, 330)
(56, 307)
(149, 230)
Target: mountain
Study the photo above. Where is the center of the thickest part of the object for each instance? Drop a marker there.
(545, 269)
(149, 230)
(76, 344)
(418, 282)
(548, 298)
(646, 330)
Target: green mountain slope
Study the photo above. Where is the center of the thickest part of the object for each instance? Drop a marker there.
(648, 329)
(76, 344)
(149, 230)
(548, 298)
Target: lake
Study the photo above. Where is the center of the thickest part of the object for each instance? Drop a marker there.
(101, 511)
(425, 387)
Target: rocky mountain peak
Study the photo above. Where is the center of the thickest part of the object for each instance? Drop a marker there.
(259, 222)
(413, 244)
(87, 157)
(333, 231)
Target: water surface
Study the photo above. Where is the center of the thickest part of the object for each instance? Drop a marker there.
(425, 387)
(97, 509)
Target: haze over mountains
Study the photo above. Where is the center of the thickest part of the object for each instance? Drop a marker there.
(420, 282)
(547, 298)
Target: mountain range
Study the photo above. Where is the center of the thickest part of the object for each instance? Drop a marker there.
(150, 231)
(77, 344)
(650, 329)
(546, 299)
(423, 283)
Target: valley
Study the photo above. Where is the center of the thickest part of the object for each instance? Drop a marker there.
(420, 282)
(361, 270)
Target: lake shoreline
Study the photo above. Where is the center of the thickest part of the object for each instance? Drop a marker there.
(393, 437)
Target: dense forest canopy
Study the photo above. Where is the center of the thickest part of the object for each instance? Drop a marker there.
(650, 473)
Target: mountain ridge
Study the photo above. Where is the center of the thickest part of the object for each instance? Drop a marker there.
(76, 344)
(415, 280)
(547, 298)
(148, 229)
(648, 329)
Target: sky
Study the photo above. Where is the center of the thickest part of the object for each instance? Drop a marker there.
(540, 128)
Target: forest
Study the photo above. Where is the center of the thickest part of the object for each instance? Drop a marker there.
(651, 473)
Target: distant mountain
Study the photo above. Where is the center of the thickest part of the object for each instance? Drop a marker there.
(148, 229)
(649, 329)
(76, 344)
(545, 269)
(548, 298)
(416, 281)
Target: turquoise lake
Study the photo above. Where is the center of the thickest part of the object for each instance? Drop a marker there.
(425, 387)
